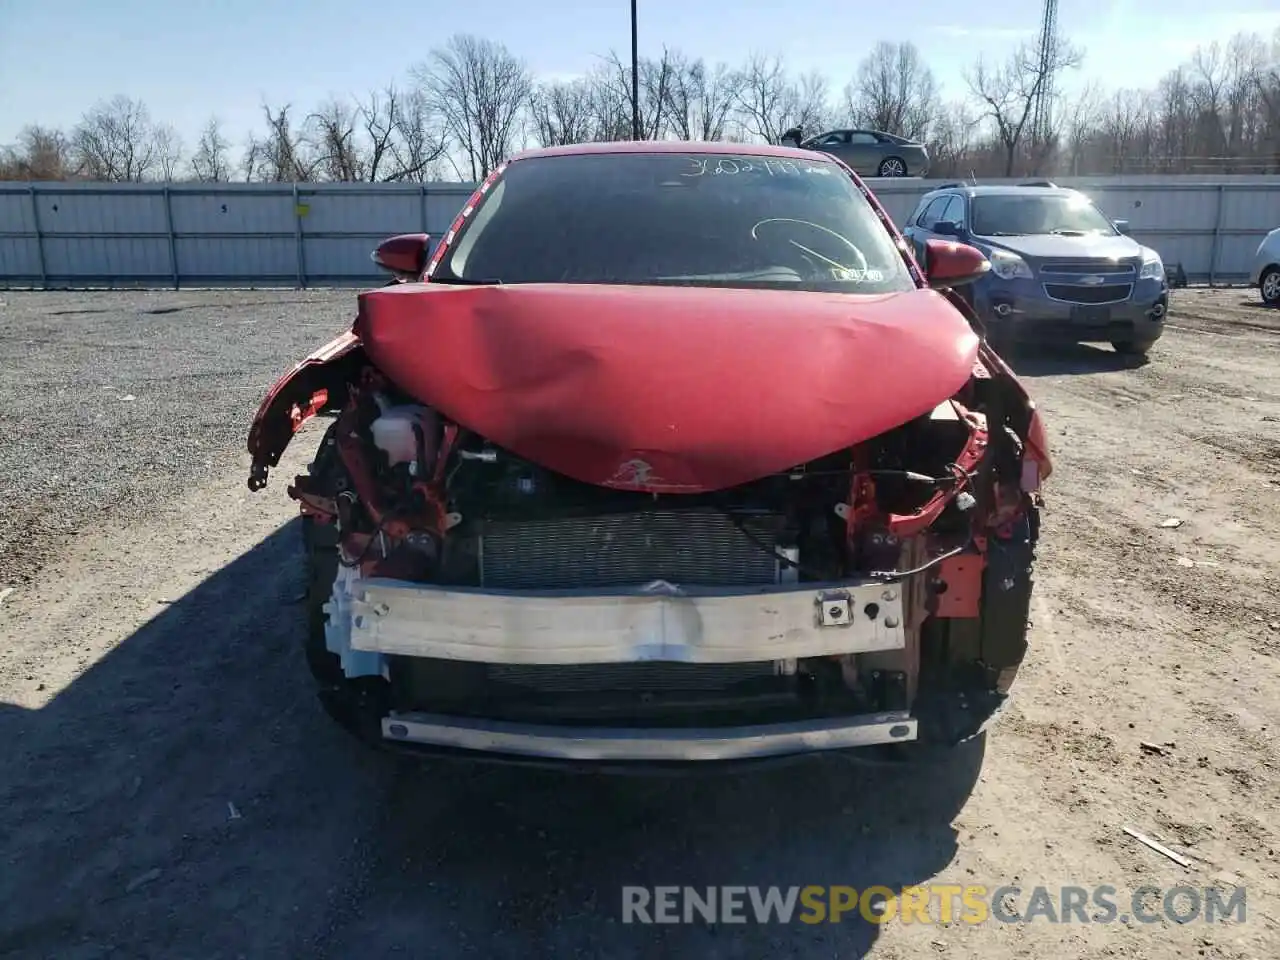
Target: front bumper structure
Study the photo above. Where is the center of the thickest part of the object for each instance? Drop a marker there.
(373, 620)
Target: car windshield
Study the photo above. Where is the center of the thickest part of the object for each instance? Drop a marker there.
(677, 218)
(1003, 216)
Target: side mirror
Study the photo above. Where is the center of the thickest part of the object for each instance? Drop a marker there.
(1122, 226)
(404, 255)
(947, 228)
(949, 264)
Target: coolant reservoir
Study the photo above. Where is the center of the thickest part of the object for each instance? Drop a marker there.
(394, 433)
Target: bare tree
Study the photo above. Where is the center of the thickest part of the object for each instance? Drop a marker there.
(1269, 97)
(1246, 62)
(251, 163)
(811, 98)
(116, 141)
(561, 113)
(700, 99)
(380, 118)
(770, 103)
(1126, 129)
(331, 132)
(41, 153)
(473, 102)
(390, 136)
(210, 162)
(951, 140)
(169, 153)
(894, 91)
(479, 88)
(282, 154)
(1083, 116)
(1007, 93)
(419, 143)
(610, 104)
(765, 100)
(655, 80)
(1177, 120)
(1210, 70)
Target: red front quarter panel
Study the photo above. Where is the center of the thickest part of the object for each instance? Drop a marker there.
(311, 386)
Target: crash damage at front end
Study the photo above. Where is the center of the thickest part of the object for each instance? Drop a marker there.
(662, 524)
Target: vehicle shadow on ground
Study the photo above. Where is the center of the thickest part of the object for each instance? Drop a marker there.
(186, 796)
(544, 857)
(1067, 359)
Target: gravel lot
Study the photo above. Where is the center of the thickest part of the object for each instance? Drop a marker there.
(171, 789)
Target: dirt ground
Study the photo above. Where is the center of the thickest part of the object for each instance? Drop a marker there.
(171, 789)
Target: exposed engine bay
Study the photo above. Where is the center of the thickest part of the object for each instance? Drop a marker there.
(937, 518)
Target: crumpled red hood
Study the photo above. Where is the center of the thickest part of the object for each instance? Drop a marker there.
(671, 389)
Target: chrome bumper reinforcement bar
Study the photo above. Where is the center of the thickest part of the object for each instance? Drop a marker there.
(652, 745)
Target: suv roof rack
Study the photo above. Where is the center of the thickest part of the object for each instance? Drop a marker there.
(1038, 183)
(950, 184)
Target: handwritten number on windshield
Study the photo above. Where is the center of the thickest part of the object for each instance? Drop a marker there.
(732, 166)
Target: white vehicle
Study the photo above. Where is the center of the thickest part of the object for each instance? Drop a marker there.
(1266, 269)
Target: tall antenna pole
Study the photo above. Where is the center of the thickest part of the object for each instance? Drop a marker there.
(635, 77)
(1042, 106)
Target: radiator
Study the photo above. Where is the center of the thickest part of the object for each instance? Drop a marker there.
(694, 547)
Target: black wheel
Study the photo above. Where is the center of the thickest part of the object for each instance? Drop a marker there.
(1133, 348)
(1269, 286)
(892, 167)
(320, 545)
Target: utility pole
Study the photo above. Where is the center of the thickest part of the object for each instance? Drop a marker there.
(635, 77)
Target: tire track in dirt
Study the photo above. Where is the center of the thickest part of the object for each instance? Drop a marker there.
(1162, 650)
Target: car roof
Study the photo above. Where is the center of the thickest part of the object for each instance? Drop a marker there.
(1002, 190)
(675, 146)
(879, 133)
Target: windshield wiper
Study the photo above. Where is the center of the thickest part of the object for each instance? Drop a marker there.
(467, 281)
(1069, 233)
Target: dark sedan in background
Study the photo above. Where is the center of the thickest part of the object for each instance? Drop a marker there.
(873, 153)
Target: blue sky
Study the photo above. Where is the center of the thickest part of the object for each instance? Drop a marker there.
(189, 60)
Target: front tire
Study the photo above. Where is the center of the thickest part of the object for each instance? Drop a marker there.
(1269, 286)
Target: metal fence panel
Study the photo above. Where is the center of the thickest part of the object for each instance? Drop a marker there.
(1255, 211)
(224, 212)
(369, 211)
(343, 259)
(98, 260)
(101, 212)
(92, 234)
(20, 261)
(242, 259)
(16, 213)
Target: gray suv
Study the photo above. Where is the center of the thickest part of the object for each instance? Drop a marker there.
(1060, 269)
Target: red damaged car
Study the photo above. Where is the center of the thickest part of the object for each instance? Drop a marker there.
(666, 453)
